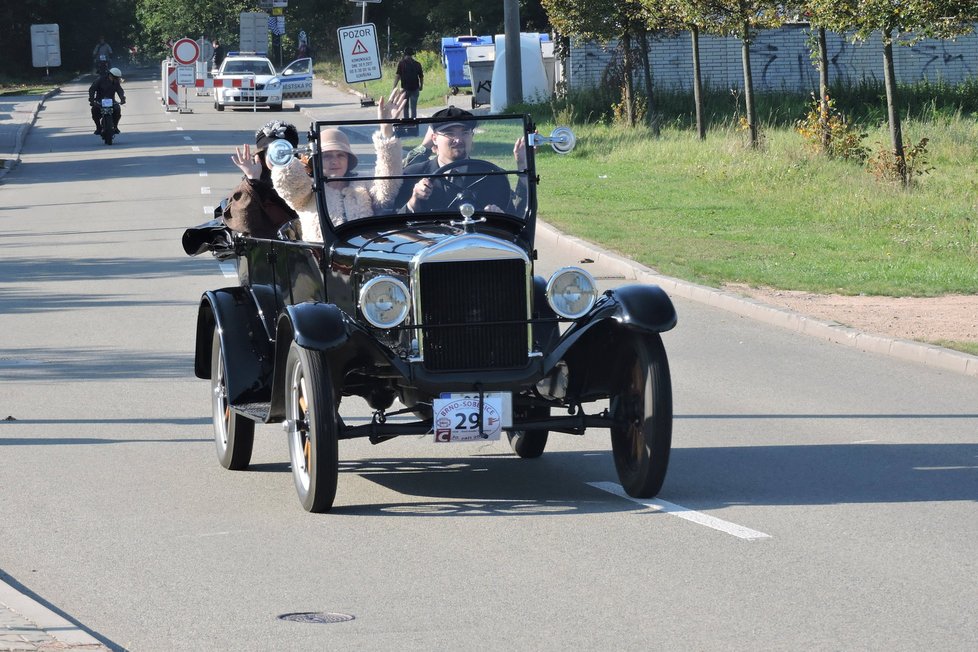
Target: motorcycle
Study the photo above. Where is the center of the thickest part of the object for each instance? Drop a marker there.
(107, 121)
(102, 64)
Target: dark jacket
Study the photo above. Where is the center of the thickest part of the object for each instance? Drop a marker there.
(411, 74)
(255, 209)
(105, 87)
(481, 191)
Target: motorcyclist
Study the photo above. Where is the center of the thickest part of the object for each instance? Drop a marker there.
(106, 87)
(102, 52)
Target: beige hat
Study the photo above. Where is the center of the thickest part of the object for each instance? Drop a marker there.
(335, 140)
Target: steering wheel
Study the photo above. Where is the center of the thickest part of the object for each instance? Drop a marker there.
(462, 189)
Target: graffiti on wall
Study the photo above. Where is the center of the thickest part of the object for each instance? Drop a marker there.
(781, 60)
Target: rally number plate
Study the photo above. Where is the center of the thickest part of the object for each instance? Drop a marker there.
(456, 417)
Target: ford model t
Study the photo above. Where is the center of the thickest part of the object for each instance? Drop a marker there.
(426, 304)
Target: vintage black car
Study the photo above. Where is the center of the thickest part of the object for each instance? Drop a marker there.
(438, 309)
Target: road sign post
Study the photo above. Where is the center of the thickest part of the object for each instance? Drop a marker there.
(46, 46)
(186, 51)
(360, 53)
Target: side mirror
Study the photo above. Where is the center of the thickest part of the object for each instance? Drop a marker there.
(562, 139)
(280, 152)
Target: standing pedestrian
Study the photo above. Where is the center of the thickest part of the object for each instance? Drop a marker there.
(411, 75)
(218, 54)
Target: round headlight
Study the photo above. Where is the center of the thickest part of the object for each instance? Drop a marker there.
(571, 292)
(384, 301)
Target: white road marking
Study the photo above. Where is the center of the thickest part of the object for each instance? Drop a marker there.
(194, 149)
(659, 505)
(179, 128)
(200, 161)
(203, 173)
(187, 138)
(204, 190)
(208, 210)
(228, 269)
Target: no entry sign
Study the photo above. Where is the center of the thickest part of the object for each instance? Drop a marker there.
(186, 51)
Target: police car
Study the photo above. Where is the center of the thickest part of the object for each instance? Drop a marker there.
(270, 87)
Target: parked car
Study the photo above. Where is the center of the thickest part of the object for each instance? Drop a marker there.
(270, 87)
(437, 314)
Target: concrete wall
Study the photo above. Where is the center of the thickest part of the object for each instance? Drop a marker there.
(780, 61)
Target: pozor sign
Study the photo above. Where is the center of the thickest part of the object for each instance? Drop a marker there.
(360, 53)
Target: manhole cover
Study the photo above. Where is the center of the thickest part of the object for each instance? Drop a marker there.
(320, 617)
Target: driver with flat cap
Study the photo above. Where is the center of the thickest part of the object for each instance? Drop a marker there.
(452, 146)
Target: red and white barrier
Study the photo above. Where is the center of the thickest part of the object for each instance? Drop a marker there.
(225, 83)
(169, 94)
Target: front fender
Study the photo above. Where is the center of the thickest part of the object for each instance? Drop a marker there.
(319, 326)
(247, 350)
(644, 308)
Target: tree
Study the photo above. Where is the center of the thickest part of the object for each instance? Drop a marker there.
(79, 31)
(604, 20)
(740, 18)
(160, 21)
(688, 14)
(911, 19)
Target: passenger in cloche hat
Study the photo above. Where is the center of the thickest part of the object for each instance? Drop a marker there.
(346, 197)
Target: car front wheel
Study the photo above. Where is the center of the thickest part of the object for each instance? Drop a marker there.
(234, 435)
(642, 410)
(312, 423)
(529, 444)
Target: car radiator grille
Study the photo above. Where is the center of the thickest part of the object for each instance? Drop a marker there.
(460, 301)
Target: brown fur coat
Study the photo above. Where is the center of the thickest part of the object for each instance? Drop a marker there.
(358, 199)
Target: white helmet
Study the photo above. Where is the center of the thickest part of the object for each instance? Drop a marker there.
(115, 72)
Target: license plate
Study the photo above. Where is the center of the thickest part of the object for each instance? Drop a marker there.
(106, 103)
(456, 416)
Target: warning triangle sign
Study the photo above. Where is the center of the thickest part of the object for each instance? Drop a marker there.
(359, 48)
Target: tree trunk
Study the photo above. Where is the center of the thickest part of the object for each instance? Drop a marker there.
(749, 86)
(823, 90)
(694, 33)
(653, 115)
(628, 92)
(896, 132)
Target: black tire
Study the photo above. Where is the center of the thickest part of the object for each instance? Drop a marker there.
(234, 435)
(218, 105)
(108, 129)
(529, 444)
(312, 423)
(641, 445)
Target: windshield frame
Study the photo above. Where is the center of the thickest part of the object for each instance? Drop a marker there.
(522, 181)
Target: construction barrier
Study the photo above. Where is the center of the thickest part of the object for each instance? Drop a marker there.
(169, 95)
(225, 83)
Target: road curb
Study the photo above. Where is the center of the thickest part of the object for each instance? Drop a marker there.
(66, 634)
(919, 352)
(22, 129)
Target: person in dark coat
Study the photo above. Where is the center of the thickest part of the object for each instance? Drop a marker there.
(411, 75)
(218, 54)
(452, 142)
(254, 208)
(106, 87)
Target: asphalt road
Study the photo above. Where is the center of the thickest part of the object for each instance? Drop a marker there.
(818, 497)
